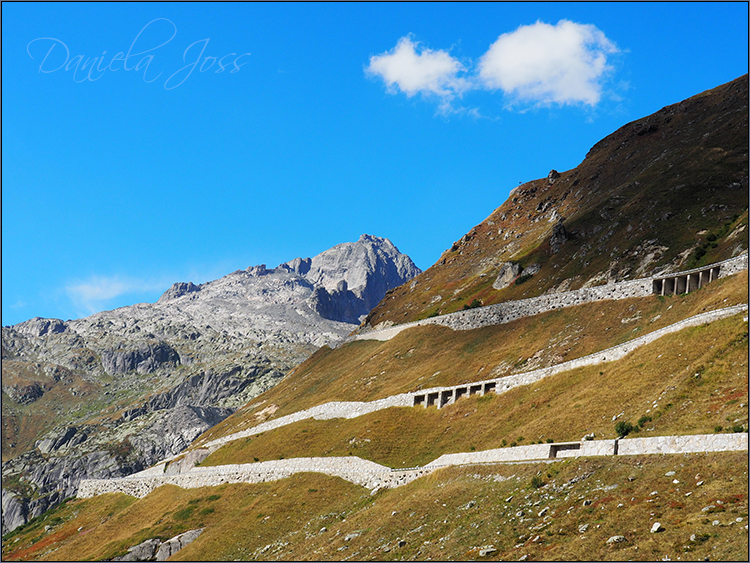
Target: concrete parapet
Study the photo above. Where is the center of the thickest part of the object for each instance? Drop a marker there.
(683, 444)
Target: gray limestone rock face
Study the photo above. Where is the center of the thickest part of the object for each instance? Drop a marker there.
(178, 290)
(506, 275)
(559, 237)
(59, 438)
(144, 551)
(14, 511)
(172, 546)
(146, 357)
(370, 267)
(183, 363)
(39, 327)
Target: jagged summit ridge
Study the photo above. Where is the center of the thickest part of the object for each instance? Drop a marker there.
(340, 284)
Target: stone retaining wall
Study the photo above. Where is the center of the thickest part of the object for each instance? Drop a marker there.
(628, 446)
(512, 310)
(361, 472)
(334, 409)
(374, 476)
(441, 396)
(446, 395)
(683, 444)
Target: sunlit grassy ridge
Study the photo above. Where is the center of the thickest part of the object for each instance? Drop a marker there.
(426, 357)
(449, 514)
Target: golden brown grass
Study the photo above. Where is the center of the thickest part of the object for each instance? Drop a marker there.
(658, 381)
(449, 514)
(433, 356)
(234, 516)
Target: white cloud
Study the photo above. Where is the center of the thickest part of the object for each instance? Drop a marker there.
(542, 63)
(92, 295)
(425, 72)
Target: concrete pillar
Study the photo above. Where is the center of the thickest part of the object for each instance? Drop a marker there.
(693, 282)
(669, 286)
(658, 287)
(446, 397)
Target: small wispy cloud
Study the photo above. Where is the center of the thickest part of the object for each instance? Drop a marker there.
(413, 70)
(96, 293)
(539, 64)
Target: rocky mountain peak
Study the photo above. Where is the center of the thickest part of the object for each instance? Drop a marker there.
(178, 290)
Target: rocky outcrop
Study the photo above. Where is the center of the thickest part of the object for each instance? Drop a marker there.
(24, 394)
(506, 275)
(156, 550)
(559, 237)
(59, 438)
(370, 267)
(14, 511)
(39, 327)
(145, 357)
(178, 290)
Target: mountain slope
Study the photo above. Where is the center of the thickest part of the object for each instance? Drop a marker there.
(691, 381)
(664, 193)
(118, 391)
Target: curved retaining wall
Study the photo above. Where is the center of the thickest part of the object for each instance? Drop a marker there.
(374, 476)
(441, 396)
(445, 395)
(359, 471)
(512, 310)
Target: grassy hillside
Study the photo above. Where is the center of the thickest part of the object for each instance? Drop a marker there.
(669, 191)
(566, 510)
(432, 356)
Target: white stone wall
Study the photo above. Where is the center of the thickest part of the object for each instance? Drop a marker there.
(365, 473)
(506, 383)
(683, 444)
(374, 476)
(512, 310)
(517, 453)
(334, 409)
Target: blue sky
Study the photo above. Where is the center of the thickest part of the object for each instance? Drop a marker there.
(325, 121)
